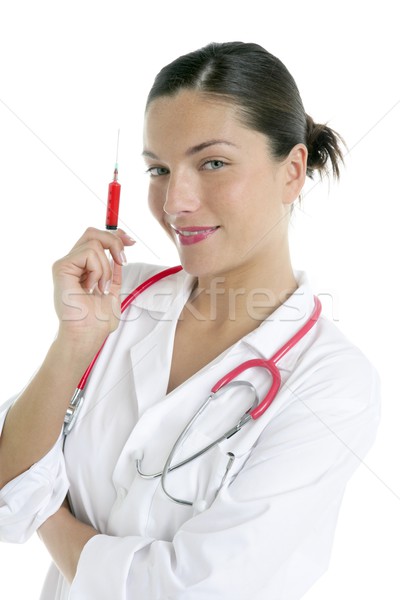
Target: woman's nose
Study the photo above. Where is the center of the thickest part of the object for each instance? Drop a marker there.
(182, 194)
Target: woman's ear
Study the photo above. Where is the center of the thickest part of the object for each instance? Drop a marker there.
(295, 173)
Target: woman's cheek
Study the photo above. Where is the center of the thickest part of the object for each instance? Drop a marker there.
(155, 203)
(156, 206)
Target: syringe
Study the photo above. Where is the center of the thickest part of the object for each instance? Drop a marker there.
(114, 191)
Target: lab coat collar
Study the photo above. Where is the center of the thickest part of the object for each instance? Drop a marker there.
(160, 297)
(293, 312)
(165, 301)
(283, 323)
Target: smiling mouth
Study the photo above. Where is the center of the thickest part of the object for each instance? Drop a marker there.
(189, 231)
(189, 236)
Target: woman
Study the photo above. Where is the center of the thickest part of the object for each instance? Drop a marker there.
(227, 145)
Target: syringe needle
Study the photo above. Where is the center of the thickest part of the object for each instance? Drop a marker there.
(116, 157)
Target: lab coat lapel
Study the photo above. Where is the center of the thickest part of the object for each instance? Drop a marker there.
(151, 355)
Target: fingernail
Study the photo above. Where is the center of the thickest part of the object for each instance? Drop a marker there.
(123, 258)
(107, 287)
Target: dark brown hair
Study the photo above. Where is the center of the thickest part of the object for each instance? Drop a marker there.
(265, 93)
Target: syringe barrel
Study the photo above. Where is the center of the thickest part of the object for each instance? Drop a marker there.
(114, 191)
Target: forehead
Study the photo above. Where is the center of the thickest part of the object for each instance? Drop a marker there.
(190, 116)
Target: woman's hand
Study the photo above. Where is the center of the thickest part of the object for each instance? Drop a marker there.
(87, 289)
(65, 537)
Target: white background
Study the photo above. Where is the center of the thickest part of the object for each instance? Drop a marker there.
(72, 73)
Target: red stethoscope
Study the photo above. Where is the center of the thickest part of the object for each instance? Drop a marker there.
(255, 412)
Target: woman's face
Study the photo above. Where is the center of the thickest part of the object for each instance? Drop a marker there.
(214, 187)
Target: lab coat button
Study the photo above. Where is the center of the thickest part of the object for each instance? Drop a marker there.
(121, 494)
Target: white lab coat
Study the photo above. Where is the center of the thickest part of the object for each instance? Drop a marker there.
(267, 532)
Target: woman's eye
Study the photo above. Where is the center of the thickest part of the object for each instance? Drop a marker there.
(157, 171)
(212, 165)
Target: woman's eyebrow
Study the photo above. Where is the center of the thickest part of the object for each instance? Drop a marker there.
(203, 145)
(193, 149)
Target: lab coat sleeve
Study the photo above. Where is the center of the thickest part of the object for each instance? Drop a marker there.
(29, 499)
(281, 504)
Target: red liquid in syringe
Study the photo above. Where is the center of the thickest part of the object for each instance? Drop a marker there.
(114, 191)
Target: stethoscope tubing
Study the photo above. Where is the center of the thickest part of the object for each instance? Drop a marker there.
(124, 305)
(270, 364)
(185, 432)
(77, 399)
(254, 412)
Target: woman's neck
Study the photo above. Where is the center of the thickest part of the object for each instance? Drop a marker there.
(247, 295)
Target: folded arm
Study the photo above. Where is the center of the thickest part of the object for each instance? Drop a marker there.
(64, 537)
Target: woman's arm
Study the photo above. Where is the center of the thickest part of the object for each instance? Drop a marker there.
(64, 537)
(34, 422)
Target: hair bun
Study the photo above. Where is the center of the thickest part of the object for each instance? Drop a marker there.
(324, 145)
(259, 85)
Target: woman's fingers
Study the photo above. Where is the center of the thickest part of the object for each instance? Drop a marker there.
(91, 256)
(127, 240)
(85, 277)
(112, 241)
(85, 266)
(98, 268)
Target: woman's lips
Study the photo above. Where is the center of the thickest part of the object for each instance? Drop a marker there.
(193, 235)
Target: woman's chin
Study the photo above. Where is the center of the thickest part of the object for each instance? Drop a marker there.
(202, 268)
(195, 265)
